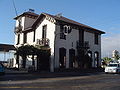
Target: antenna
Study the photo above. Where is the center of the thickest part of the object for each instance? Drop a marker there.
(59, 15)
(15, 7)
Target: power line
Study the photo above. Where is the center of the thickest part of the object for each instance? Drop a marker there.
(14, 7)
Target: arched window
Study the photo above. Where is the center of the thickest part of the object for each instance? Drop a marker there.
(62, 57)
(90, 54)
(96, 60)
(67, 29)
(71, 58)
(90, 59)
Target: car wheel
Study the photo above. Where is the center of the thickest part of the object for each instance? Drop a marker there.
(106, 72)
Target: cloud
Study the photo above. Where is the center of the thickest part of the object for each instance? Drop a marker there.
(110, 43)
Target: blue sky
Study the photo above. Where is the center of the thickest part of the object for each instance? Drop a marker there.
(100, 14)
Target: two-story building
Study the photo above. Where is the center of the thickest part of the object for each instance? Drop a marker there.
(72, 44)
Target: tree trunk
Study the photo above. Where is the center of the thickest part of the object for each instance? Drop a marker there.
(33, 61)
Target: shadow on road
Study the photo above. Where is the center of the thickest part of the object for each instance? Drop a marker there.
(14, 75)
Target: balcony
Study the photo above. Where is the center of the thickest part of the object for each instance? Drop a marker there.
(83, 45)
(18, 29)
(43, 42)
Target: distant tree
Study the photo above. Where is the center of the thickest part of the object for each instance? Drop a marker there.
(116, 57)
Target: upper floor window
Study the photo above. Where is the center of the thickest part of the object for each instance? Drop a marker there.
(25, 38)
(18, 39)
(67, 29)
(44, 31)
(96, 38)
(34, 36)
(20, 24)
(64, 29)
(62, 35)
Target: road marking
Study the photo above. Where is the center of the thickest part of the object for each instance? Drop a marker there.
(27, 87)
(14, 87)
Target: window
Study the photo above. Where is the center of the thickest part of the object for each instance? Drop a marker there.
(96, 61)
(34, 36)
(62, 35)
(96, 38)
(64, 30)
(18, 39)
(25, 38)
(113, 65)
(44, 31)
(67, 29)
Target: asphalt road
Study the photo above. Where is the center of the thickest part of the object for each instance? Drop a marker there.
(96, 81)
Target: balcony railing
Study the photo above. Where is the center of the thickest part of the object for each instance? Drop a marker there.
(43, 42)
(84, 44)
(18, 29)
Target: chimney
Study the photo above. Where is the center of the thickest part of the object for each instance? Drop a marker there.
(31, 10)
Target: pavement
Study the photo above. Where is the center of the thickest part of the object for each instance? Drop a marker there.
(92, 79)
(31, 82)
(13, 71)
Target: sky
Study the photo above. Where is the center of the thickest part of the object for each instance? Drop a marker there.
(100, 14)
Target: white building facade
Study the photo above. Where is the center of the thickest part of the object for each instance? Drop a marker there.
(68, 40)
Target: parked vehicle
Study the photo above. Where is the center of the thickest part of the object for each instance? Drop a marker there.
(2, 69)
(113, 68)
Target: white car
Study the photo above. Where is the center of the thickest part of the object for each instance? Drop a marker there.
(113, 68)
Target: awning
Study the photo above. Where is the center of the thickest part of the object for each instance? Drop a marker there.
(6, 47)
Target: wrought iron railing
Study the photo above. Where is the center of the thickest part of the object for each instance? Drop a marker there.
(84, 44)
(18, 29)
(43, 42)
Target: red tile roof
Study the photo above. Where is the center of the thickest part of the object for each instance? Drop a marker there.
(64, 19)
(58, 18)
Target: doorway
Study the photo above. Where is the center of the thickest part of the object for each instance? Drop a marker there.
(62, 57)
(71, 58)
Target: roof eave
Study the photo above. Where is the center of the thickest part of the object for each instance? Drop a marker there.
(26, 13)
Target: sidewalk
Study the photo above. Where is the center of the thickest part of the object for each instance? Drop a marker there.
(12, 71)
(69, 73)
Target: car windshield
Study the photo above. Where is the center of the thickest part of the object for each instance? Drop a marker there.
(112, 65)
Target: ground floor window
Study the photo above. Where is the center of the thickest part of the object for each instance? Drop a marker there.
(90, 59)
(96, 60)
